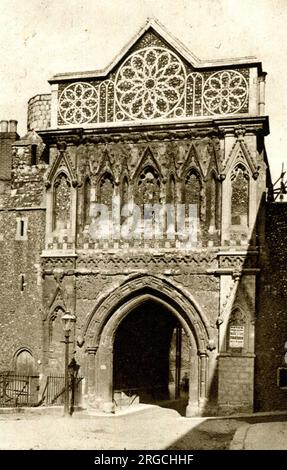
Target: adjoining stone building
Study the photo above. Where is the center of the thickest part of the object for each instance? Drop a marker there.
(158, 126)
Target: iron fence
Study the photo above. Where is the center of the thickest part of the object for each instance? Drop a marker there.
(18, 390)
(55, 390)
(23, 390)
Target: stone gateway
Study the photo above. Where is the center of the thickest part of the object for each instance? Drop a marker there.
(137, 202)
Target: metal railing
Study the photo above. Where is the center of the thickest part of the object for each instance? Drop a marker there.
(55, 391)
(18, 390)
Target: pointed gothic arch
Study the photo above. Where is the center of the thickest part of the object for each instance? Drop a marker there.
(192, 191)
(148, 186)
(24, 362)
(105, 189)
(61, 201)
(240, 195)
(104, 320)
(147, 159)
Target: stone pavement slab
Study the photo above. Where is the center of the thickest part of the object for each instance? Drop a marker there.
(262, 436)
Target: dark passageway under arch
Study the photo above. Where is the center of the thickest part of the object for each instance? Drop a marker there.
(147, 354)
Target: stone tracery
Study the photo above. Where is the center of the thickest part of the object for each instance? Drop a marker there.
(225, 92)
(150, 84)
(153, 82)
(78, 103)
(62, 201)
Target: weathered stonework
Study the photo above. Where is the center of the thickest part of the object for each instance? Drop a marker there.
(39, 112)
(93, 145)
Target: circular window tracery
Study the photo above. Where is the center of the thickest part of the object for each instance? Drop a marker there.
(225, 92)
(150, 84)
(78, 103)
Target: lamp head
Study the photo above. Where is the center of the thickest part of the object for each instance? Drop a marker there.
(68, 319)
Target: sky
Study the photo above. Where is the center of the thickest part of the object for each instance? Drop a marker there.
(39, 38)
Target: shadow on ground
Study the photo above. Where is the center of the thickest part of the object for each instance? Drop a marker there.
(217, 433)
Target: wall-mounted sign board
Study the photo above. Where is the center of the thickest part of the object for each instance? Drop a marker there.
(236, 336)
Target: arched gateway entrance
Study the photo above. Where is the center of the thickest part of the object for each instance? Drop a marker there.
(150, 356)
(146, 340)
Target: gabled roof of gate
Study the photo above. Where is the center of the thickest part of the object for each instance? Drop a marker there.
(155, 27)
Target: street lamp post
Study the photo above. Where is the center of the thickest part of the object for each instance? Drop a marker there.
(67, 320)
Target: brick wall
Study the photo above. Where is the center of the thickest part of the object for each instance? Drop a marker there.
(39, 112)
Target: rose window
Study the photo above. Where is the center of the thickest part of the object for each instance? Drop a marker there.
(225, 92)
(78, 103)
(150, 84)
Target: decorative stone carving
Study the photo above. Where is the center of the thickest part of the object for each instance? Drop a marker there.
(120, 263)
(240, 154)
(150, 84)
(78, 103)
(65, 263)
(64, 162)
(153, 82)
(237, 316)
(238, 262)
(225, 92)
(62, 201)
(162, 288)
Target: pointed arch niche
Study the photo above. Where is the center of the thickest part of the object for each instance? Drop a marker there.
(239, 202)
(106, 189)
(192, 189)
(192, 196)
(148, 186)
(61, 202)
(240, 196)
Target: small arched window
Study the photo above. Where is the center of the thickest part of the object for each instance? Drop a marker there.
(239, 196)
(62, 202)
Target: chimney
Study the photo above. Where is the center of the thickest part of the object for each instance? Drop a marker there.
(13, 126)
(4, 126)
(8, 135)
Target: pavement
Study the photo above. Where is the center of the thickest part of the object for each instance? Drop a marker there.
(261, 436)
(145, 427)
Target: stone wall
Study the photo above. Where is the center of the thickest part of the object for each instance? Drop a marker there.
(39, 112)
(271, 321)
(235, 384)
(21, 283)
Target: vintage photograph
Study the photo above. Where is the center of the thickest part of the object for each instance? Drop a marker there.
(143, 227)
